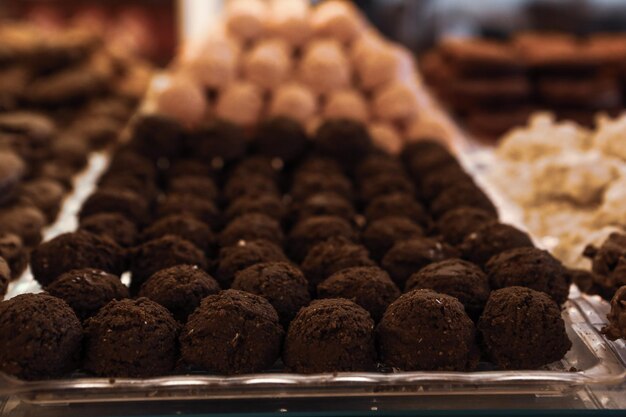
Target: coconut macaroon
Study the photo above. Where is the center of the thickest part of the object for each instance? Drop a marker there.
(241, 102)
(428, 124)
(268, 63)
(367, 43)
(386, 137)
(336, 19)
(384, 63)
(293, 100)
(289, 21)
(246, 19)
(214, 63)
(396, 102)
(180, 98)
(324, 67)
(346, 104)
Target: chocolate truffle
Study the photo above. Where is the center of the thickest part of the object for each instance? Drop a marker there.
(71, 149)
(156, 136)
(456, 224)
(529, 267)
(368, 286)
(75, 250)
(115, 226)
(131, 163)
(251, 226)
(267, 204)
(421, 164)
(188, 167)
(409, 256)
(423, 147)
(460, 279)
(344, 140)
(12, 169)
(609, 262)
(434, 182)
(616, 329)
(186, 227)
(45, 194)
(333, 255)
(244, 254)
(281, 137)
(252, 185)
(323, 204)
(160, 253)
(308, 232)
(318, 165)
(461, 195)
(131, 338)
(332, 335)
(427, 331)
(491, 239)
(146, 188)
(257, 165)
(200, 187)
(203, 210)
(5, 277)
(522, 329)
(378, 164)
(380, 235)
(13, 251)
(116, 200)
(397, 205)
(386, 184)
(23, 220)
(233, 332)
(180, 289)
(305, 186)
(40, 337)
(87, 290)
(280, 283)
(217, 139)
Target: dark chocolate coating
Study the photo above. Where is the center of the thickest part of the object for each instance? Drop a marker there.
(13, 251)
(422, 147)
(368, 286)
(133, 164)
(267, 204)
(281, 137)
(529, 267)
(12, 169)
(144, 187)
(180, 289)
(87, 290)
(332, 335)
(251, 226)
(458, 223)
(40, 337)
(200, 187)
(280, 283)
(608, 264)
(75, 250)
(131, 338)
(233, 259)
(616, 329)
(304, 186)
(115, 200)
(233, 332)
(409, 256)
(309, 232)
(491, 239)
(203, 210)
(397, 205)
(380, 235)
(156, 136)
(186, 227)
(522, 329)
(184, 167)
(217, 139)
(23, 220)
(344, 140)
(115, 226)
(461, 194)
(420, 164)
(257, 165)
(323, 204)
(427, 331)
(385, 184)
(317, 165)
(5, 277)
(72, 150)
(377, 164)
(460, 279)
(434, 182)
(45, 194)
(252, 185)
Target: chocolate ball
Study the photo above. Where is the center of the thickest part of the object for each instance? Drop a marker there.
(115, 226)
(156, 136)
(281, 137)
(45, 194)
(12, 169)
(251, 226)
(23, 220)
(203, 210)
(344, 140)
(323, 204)
(308, 232)
(5, 277)
(305, 186)
(251, 185)
(378, 164)
(185, 227)
(386, 184)
(435, 182)
(397, 205)
(233, 259)
(257, 165)
(145, 188)
(427, 331)
(461, 195)
(267, 204)
(616, 328)
(522, 329)
(317, 165)
(128, 162)
(217, 139)
(491, 239)
(456, 224)
(200, 187)
(381, 234)
(13, 251)
(115, 200)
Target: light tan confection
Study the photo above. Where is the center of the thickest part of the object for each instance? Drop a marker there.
(336, 19)
(293, 100)
(241, 102)
(346, 104)
(386, 137)
(383, 65)
(396, 102)
(428, 125)
(268, 63)
(313, 124)
(215, 63)
(612, 211)
(246, 19)
(180, 98)
(366, 44)
(617, 317)
(289, 21)
(324, 67)
(609, 138)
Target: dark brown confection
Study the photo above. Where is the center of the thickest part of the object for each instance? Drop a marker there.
(75, 250)
(461, 195)
(309, 232)
(131, 163)
(480, 57)
(616, 328)
(203, 210)
(491, 239)
(421, 164)
(591, 283)
(87, 290)
(422, 148)
(268, 204)
(253, 226)
(609, 262)
(252, 185)
(156, 136)
(529, 267)
(23, 220)
(144, 187)
(244, 254)
(330, 256)
(522, 329)
(201, 187)
(380, 235)
(368, 286)
(186, 227)
(460, 279)
(397, 205)
(434, 182)
(180, 289)
(72, 150)
(409, 256)
(189, 167)
(344, 140)
(332, 335)
(427, 331)
(323, 204)
(280, 283)
(217, 139)
(131, 338)
(163, 252)
(318, 165)
(307, 185)
(13, 251)
(378, 164)
(116, 200)
(12, 169)
(45, 194)
(5, 277)
(115, 226)
(386, 184)
(97, 131)
(281, 137)
(233, 332)
(257, 165)
(457, 224)
(29, 134)
(40, 337)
